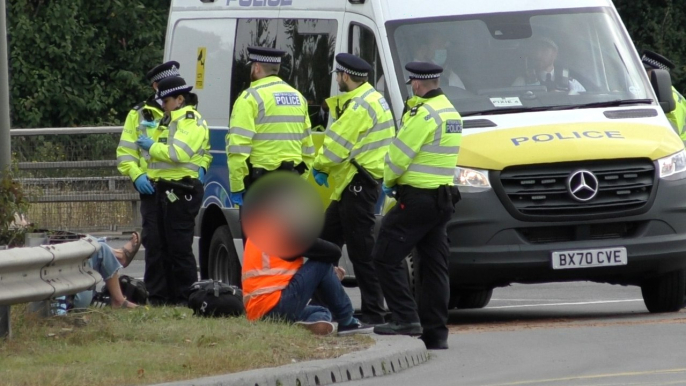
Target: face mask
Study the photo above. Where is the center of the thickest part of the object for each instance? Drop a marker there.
(441, 56)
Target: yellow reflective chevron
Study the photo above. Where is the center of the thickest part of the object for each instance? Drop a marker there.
(269, 125)
(364, 131)
(424, 153)
(180, 149)
(131, 160)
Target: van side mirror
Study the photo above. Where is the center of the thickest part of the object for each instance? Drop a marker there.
(662, 84)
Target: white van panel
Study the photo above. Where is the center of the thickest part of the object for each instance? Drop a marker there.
(216, 37)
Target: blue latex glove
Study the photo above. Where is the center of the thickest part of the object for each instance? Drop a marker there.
(145, 142)
(390, 192)
(320, 178)
(201, 175)
(237, 198)
(143, 185)
(149, 124)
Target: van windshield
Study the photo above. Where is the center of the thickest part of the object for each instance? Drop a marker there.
(524, 61)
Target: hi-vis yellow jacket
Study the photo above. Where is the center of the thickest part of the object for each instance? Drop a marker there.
(143, 119)
(363, 129)
(269, 125)
(182, 147)
(424, 154)
(678, 117)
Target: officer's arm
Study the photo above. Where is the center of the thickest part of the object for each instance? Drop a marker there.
(340, 138)
(405, 147)
(128, 156)
(187, 142)
(239, 139)
(307, 145)
(206, 156)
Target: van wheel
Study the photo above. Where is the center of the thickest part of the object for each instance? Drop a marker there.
(463, 299)
(223, 261)
(413, 279)
(665, 293)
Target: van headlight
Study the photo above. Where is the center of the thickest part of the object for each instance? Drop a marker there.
(471, 180)
(673, 167)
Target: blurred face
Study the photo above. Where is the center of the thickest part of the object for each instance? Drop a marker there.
(171, 103)
(544, 58)
(341, 79)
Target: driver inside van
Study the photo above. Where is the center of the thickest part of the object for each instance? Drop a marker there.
(432, 47)
(542, 70)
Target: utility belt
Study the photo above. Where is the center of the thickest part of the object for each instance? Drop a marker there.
(185, 185)
(446, 195)
(255, 173)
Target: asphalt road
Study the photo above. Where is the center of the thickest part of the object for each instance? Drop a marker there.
(551, 334)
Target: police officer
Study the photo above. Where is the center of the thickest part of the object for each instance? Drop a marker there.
(654, 61)
(269, 128)
(419, 171)
(132, 161)
(352, 154)
(176, 157)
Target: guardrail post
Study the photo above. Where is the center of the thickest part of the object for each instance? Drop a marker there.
(137, 218)
(5, 327)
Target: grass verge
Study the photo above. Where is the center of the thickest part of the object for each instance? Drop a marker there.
(146, 346)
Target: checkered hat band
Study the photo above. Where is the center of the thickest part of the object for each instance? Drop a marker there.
(264, 59)
(164, 93)
(654, 63)
(413, 75)
(350, 72)
(166, 74)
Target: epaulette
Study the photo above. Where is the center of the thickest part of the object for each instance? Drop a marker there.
(190, 115)
(413, 111)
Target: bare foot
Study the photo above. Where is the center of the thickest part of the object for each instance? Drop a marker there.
(119, 254)
(123, 304)
(130, 249)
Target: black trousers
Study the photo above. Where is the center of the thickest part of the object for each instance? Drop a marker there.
(176, 224)
(418, 221)
(350, 221)
(154, 276)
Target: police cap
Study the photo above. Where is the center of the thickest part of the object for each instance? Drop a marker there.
(423, 71)
(654, 61)
(265, 55)
(352, 65)
(164, 70)
(173, 86)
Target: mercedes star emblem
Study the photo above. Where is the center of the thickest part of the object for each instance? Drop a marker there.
(582, 185)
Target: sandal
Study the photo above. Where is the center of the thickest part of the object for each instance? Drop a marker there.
(131, 248)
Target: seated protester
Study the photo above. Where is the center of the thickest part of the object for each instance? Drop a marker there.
(107, 262)
(281, 287)
(541, 70)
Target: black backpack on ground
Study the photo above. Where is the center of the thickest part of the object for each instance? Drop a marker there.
(133, 289)
(214, 298)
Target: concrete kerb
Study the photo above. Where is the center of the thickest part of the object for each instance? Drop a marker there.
(389, 355)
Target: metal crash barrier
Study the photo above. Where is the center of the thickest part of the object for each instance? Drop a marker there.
(44, 272)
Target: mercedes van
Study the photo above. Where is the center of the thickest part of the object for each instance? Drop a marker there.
(569, 170)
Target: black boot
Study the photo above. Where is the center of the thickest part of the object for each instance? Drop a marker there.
(395, 328)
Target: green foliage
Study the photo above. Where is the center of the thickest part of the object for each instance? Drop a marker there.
(13, 201)
(81, 62)
(658, 25)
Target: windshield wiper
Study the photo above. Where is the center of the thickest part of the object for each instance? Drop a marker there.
(614, 103)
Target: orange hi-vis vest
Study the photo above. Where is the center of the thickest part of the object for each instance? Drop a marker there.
(263, 278)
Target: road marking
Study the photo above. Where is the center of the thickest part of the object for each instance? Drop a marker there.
(567, 304)
(598, 376)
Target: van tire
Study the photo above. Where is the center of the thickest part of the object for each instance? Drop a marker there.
(413, 278)
(463, 299)
(665, 293)
(222, 262)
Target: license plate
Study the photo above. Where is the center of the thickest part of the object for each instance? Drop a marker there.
(587, 258)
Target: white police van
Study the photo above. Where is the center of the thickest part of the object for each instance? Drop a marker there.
(569, 169)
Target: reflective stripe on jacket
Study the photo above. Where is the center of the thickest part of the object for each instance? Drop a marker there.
(263, 278)
(677, 117)
(269, 125)
(180, 150)
(131, 160)
(363, 131)
(424, 154)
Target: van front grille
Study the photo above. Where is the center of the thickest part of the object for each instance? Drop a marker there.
(578, 188)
